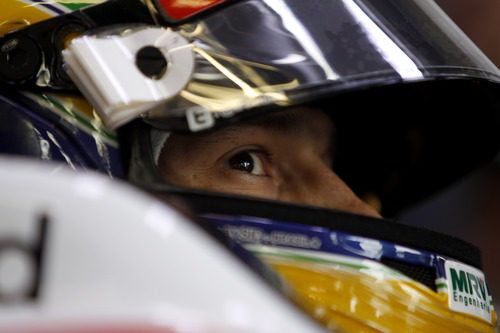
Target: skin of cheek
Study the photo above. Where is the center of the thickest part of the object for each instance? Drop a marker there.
(308, 179)
(226, 181)
(255, 186)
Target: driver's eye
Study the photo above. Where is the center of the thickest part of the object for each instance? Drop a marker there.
(247, 161)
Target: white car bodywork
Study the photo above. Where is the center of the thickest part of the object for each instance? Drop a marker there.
(80, 250)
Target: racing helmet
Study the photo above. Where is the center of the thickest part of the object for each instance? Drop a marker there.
(414, 103)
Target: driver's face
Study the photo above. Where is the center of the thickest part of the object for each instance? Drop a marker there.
(284, 156)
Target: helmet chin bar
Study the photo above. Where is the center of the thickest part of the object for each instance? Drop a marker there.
(206, 203)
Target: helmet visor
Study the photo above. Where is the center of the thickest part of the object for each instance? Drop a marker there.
(248, 54)
(261, 52)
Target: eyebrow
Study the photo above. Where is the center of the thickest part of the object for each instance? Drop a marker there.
(285, 122)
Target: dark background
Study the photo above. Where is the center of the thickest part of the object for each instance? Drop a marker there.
(471, 209)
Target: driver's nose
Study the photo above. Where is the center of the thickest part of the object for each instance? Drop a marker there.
(314, 183)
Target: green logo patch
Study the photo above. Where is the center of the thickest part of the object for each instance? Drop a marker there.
(467, 291)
